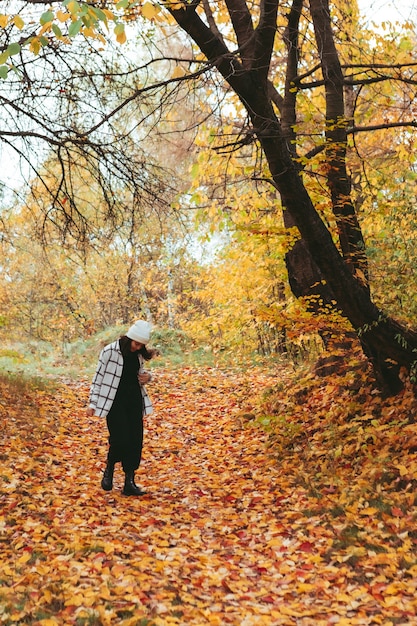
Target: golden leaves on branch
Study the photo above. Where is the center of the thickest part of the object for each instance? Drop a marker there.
(67, 21)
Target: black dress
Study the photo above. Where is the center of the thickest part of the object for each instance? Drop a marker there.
(125, 418)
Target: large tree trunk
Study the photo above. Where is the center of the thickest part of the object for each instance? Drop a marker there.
(385, 341)
(350, 235)
(387, 344)
(305, 279)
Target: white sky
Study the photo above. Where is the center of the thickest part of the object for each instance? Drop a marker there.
(389, 10)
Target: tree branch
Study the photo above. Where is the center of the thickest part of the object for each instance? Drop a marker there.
(288, 118)
(350, 234)
(352, 130)
(265, 37)
(361, 129)
(211, 21)
(243, 26)
(212, 47)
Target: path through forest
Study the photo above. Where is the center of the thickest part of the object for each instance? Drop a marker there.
(221, 538)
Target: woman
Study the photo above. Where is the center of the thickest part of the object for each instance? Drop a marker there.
(118, 393)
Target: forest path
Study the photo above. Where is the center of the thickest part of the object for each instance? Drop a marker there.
(221, 537)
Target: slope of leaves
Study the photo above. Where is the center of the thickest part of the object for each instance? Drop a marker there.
(356, 455)
(239, 527)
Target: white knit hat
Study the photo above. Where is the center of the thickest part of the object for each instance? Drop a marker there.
(140, 331)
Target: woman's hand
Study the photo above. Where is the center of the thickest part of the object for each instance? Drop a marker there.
(144, 377)
(90, 411)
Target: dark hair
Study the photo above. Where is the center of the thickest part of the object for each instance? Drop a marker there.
(125, 344)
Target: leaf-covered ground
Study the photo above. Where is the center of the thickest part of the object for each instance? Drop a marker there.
(310, 520)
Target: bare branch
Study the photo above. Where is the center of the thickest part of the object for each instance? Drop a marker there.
(362, 129)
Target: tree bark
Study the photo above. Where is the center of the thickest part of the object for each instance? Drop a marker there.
(305, 279)
(350, 234)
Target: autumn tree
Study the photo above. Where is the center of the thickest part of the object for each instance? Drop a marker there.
(272, 56)
(238, 197)
(94, 117)
(99, 189)
(272, 117)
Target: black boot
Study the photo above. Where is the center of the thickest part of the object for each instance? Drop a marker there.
(130, 489)
(107, 480)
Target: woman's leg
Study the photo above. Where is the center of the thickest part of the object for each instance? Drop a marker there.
(125, 424)
(132, 456)
(112, 459)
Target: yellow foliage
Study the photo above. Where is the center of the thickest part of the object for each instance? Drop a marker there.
(35, 45)
(120, 33)
(178, 72)
(17, 20)
(149, 10)
(63, 16)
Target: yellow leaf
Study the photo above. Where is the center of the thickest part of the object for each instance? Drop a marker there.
(369, 510)
(35, 45)
(178, 72)
(149, 11)
(342, 597)
(90, 32)
(305, 587)
(275, 542)
(63, 17)
(45, 28)
(104, 593)
(355, 551)
(108, 14)
(47, 595)
(73, 7)
(402, 469)
(3, 20)
(17, 20)
(7, 570)
(24, 558)
(121, 38)
(391, 590)
(75, 600)
(120, 33)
